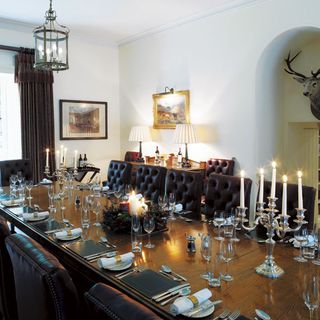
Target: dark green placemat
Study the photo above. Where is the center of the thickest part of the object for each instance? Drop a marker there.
(149, 283)
(87, 248)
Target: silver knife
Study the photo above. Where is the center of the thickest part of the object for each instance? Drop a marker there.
(179, 276)
(202, 308)
(157, 296)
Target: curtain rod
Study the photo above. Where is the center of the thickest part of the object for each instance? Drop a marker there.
(9, 48)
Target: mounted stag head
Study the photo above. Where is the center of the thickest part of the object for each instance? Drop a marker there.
(311, 85)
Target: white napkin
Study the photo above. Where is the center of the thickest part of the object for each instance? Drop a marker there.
(184, 304)
(30, 216)
(310, 242)
(178, 207)
(13, 202)
(67, 233)
(110, 262)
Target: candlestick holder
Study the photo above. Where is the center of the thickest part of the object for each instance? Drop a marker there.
(275, 224)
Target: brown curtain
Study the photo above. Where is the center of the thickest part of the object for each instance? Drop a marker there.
(37, 115)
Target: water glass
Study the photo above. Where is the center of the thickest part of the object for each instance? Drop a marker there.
(228, 228)
(148, 226)
(96, 209)
(311, 294)
(85, 217)
(215, 281)
(136, 233)
(206, 252)
(234, 220)
(172, 206)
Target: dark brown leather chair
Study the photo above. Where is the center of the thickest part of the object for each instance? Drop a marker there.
(8, 302)
(187, 187)
(9, 167)
(119, 174)
(308, 193)
(223, 193)
(44, 289)
(150, 181)
(106, 303)
(220, 166)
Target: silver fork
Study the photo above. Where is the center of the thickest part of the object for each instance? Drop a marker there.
(222, 315)
(234, 315)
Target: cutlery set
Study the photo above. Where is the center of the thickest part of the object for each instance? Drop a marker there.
(127, 272)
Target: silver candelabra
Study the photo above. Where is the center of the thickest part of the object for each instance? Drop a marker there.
(275, 224)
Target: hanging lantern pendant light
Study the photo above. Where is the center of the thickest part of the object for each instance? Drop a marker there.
(51, 44)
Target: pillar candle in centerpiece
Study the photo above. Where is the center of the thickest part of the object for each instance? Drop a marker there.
(47, 157)
(261, 171)
(284, 195)
(273, 180)
(242, 189)
(300, 197)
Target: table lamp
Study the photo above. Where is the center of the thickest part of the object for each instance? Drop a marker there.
(185, 133)
(140, 134)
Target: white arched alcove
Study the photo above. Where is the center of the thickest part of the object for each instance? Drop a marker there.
(286, 129)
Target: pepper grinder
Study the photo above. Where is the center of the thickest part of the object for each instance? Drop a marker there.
(191, 245)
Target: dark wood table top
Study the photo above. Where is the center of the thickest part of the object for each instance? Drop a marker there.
(280, 298)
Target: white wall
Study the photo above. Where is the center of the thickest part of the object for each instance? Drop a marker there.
(222, 60)
(93, 75)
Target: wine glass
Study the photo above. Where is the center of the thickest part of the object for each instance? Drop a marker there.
(20, 177)
(51, 196)
(62, 195)
(206, 251)
(135, 222)
(301, 236)
(148, 226)
(96, 208)
(219, 219)
(172, 206)
(311, 294)
(135, 226)
(234, 220)
(13, 185)
(227, 253)
(29, 186)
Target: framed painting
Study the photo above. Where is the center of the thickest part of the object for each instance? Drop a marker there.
(170, 109)
(81, 120)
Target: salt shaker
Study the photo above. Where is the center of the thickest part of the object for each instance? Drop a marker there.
(191, 246)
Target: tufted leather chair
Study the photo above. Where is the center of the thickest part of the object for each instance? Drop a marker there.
(219, 166)
(308, 193)
(223, 193)
(8, 302)
(150, 181)
(9, 167)
(106, 303)
(119, 174)
(44, 289)
(187, 187)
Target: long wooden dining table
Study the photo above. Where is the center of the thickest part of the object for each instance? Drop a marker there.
(281, 298)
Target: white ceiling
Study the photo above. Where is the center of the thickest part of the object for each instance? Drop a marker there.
(115, 20)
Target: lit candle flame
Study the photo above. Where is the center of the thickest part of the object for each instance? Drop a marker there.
(285, 178)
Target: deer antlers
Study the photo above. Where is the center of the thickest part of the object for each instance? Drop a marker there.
(291, 71)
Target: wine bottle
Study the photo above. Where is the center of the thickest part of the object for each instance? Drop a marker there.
(157, 154)
(85, 160)
(80, 161)
(179, 156)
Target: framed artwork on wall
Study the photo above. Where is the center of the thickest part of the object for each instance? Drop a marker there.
(170, 109)
(81, 120)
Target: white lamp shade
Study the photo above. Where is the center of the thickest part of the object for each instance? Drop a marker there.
(139, 133)
(185, 133)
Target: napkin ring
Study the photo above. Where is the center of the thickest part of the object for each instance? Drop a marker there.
(69, 233)
(118, 259)
(194, 300)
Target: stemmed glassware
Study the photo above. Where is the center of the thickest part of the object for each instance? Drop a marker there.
(20, 177)
(148, 226)
(234, 221)
(13, 185)
(51, 195)
(206, 252)
(162, 202)
(301, 236)
(311, 292)
(96, 208)
(219, 220)
(172, 206)
(62, 195)
(135, 226)
(29, 186)
(227, 253)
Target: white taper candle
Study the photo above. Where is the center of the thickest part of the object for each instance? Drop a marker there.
(284, 195)
(261, 185)
(300, 196)
(273, 180)
(242, 189)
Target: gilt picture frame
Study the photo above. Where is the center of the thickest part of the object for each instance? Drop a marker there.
(83, 120)
(170, 109)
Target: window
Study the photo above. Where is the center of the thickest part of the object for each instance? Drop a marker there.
(10, 123)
